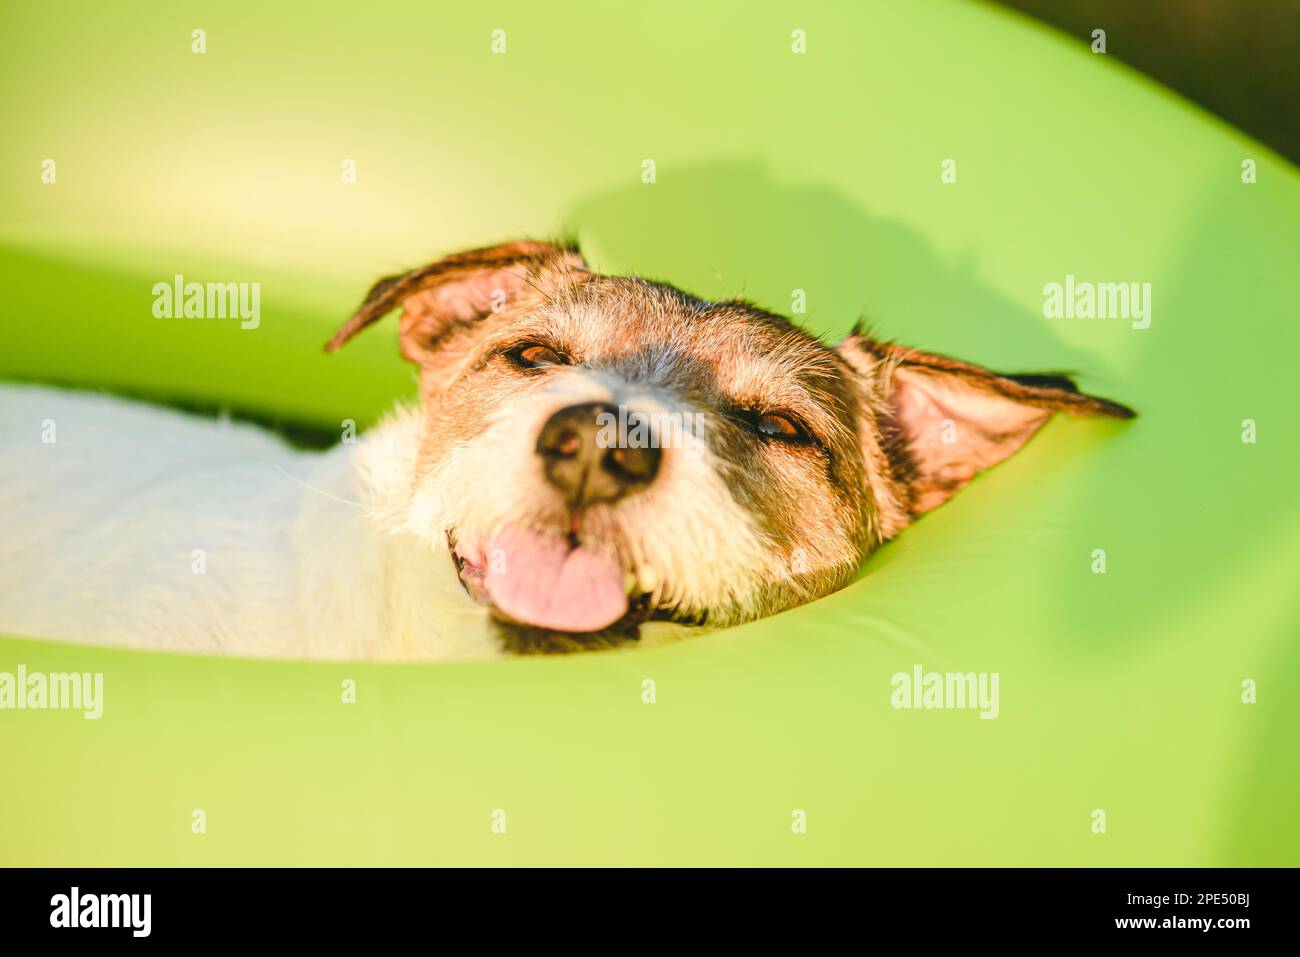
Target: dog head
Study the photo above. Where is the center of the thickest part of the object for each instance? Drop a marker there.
(599, 451)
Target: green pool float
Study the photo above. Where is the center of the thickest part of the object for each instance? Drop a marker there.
(937, 166)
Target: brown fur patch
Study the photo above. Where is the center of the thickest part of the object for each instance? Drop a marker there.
(864, 462)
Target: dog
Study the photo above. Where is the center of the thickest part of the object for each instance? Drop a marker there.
(593, 461)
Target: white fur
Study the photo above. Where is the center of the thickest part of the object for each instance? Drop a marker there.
(685, 533)
(99, 531)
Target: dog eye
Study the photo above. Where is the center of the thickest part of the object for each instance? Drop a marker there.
(779, 426)
(534, 356)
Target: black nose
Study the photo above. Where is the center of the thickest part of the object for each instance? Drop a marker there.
(591, 456)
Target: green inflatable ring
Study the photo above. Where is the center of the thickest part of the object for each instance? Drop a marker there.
(937, 164)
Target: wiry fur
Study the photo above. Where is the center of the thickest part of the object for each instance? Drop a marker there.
(345, 554)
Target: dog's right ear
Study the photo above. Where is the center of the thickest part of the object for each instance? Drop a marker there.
(461, 288)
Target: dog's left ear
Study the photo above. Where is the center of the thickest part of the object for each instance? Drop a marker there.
(461, 288)
(941, 421)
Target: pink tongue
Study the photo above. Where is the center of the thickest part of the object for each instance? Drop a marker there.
(539, 580)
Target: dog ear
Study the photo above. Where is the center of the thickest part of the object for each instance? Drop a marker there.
(461, 288)
(941, 421)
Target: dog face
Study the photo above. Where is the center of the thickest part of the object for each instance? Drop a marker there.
(602, 451)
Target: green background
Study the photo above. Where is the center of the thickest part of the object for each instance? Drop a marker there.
(776, 171)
